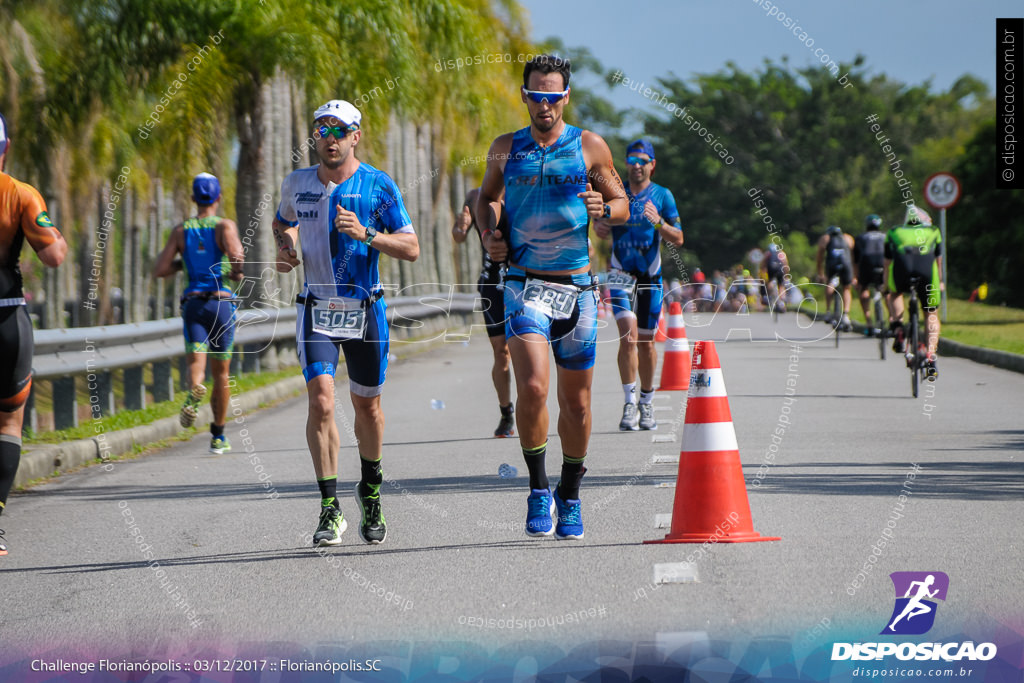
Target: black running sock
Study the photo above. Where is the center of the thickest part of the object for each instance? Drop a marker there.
(506, 411)
(328, 491)
(534, 458)
(216, 430)
(572, 472)
(372, 476)
(10, 456)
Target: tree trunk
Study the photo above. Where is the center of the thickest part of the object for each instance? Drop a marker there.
(88, 284)
(106, 312)
(300, 151)
(56, 280)
(253, 180)
(124, 238)
(139, 290)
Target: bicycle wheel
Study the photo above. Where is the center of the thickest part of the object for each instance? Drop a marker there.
(914, 341)
(881, 328)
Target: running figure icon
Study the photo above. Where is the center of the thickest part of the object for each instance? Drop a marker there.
(915, 607)
(917, 595)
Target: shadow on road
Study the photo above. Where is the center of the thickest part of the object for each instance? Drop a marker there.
(391, 488)
(939, 480)
(309, 553)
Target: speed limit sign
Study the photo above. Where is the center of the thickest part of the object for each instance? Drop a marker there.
(942, 190)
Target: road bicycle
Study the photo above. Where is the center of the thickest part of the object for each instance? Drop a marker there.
(915, 361)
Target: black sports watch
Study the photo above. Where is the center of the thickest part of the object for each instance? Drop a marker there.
(607, 211)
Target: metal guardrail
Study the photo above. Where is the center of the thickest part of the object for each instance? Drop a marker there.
(61, 355)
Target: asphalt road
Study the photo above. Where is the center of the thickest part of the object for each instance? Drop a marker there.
(457, 566)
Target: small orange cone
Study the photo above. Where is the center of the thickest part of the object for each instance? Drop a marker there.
(675, 368)
(661, 334)
(711, 502)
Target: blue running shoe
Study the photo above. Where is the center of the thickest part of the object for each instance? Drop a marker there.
(570, 518)
(539, 510)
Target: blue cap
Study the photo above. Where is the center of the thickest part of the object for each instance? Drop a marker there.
(641, 145)
(205, 189)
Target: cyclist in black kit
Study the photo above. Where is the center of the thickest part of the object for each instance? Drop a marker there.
(491, 288)
(776, 265)
(869, 265)
(834, 260)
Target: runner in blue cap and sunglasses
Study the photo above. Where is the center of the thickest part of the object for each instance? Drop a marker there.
(636, 292)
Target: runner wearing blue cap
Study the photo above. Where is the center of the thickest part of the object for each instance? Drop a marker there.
(210, 251)
(554, 178)
(636, 288)
(345, 214)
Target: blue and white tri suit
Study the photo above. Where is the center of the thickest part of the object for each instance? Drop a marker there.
(636, 250)
(338, 266)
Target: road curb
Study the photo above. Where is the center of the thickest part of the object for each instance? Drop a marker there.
(1000, 359)
(1004, 360)
(46, 460)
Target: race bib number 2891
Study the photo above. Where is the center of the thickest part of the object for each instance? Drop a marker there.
(339, 317)
(551, 299)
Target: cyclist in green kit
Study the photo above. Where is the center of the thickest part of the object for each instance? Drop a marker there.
(914, 249)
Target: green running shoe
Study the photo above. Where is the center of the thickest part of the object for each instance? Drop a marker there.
(190, 409)
(219, 444)
(332, 526)
(372, 528)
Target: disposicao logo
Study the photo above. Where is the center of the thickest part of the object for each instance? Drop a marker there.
(914, 614)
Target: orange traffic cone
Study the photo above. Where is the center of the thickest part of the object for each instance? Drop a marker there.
(660, 335)
(711, 502)
(675, 368)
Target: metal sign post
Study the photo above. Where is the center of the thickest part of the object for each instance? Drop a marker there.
(945, 260)
(942, 190)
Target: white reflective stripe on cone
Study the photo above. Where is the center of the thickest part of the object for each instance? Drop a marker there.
(676, 345)
(709, 436)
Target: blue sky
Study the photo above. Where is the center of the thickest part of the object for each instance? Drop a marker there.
(908, 40)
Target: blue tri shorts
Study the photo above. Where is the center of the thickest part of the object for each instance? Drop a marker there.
(209, 326)
(366, 359)
(645, 305)
(573, 340)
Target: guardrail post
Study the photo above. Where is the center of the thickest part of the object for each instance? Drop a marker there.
(285, 354)
(134, 389)
(269, 360)
(251, 358)
(31, 421)
(163, 381)
(184, 378)
(101, 393)
(65, 404)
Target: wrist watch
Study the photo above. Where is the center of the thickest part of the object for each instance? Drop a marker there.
(607, 211)
(370, 234)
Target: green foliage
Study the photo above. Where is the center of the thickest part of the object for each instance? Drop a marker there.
(985, 234)
(801, 138)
